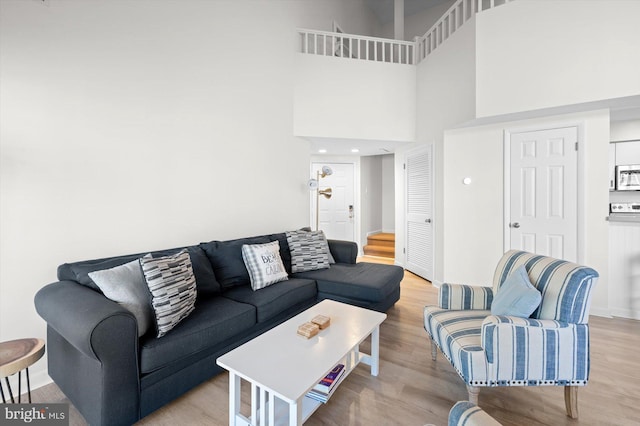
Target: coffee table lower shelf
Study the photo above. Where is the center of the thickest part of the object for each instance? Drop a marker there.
(285, 413)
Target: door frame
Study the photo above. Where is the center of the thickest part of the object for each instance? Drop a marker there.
(355, 162)
(432, 213)
(581, 170)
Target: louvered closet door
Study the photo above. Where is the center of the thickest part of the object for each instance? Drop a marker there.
(419, 195)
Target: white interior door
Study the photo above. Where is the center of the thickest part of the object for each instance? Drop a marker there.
(543, 195)
(336, 214)
(419, 211)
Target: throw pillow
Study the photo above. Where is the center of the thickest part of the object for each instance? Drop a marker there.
(172, 286)
(264, 264)
(126, 285)
(326, 243)
(517, 296)
(309, 250)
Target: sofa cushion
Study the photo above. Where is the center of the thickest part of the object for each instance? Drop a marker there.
(227, 262)
(125, 284)
(277, 298)
(172, 286)
(213, 321)
(264, 264)
(206, 282)
(364, 281)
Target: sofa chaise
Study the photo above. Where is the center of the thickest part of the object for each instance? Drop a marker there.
(115, 376)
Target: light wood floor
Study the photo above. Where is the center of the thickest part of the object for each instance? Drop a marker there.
(414, 390)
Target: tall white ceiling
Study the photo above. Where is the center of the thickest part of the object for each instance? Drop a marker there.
(383, 9)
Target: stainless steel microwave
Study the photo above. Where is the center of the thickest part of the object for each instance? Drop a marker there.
(628, 177)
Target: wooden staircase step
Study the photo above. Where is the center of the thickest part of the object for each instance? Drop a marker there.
(383, 239)
(382, 244)
(380, 251)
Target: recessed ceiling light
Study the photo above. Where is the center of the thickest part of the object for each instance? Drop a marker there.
(355, 150)
(322, 151)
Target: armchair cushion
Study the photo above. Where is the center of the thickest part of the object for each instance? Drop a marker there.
(517, 296)
(458, 335)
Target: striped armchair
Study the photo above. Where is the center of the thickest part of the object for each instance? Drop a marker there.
(465, 413)
(551, 347)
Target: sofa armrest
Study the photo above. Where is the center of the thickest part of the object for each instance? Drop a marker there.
(92, 345)
(462, 297)
(535, 351)
(82, 315)
(343, 251)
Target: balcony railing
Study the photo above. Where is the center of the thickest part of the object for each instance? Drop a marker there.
(357, 47)
(394, 51)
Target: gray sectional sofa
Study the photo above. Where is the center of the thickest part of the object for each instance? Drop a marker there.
(114, 377)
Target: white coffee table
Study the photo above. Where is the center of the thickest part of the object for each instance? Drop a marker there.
(282, 366)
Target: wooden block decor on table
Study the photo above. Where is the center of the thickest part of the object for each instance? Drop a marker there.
(322, 321)
(308, 329)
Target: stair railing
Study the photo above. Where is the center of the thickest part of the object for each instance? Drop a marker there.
(459, 13)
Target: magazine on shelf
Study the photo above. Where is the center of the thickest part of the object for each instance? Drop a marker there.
(323, 390)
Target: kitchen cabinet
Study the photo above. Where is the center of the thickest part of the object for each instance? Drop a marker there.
(627, 152)
(624, 269)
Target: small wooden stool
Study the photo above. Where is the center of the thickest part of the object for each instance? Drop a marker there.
(15, 356)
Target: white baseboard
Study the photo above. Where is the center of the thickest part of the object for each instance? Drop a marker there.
(377, 231)
(37, 379)
(625, 313)
(600, 312)
(436, 283)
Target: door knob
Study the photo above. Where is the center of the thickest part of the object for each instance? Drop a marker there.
(427, 220)
(514, 225)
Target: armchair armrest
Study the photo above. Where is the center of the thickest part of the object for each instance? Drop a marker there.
(460, 296)
(534, 351)
(343, 251)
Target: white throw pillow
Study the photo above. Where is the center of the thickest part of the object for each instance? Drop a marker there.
(125, 284)
(264, 264)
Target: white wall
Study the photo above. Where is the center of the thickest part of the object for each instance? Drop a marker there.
(351, 99)
(474, 213)
(538, 54)
(371, 196)
(625, 130)
(445, 97)
(388, 194)
(140, 125)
